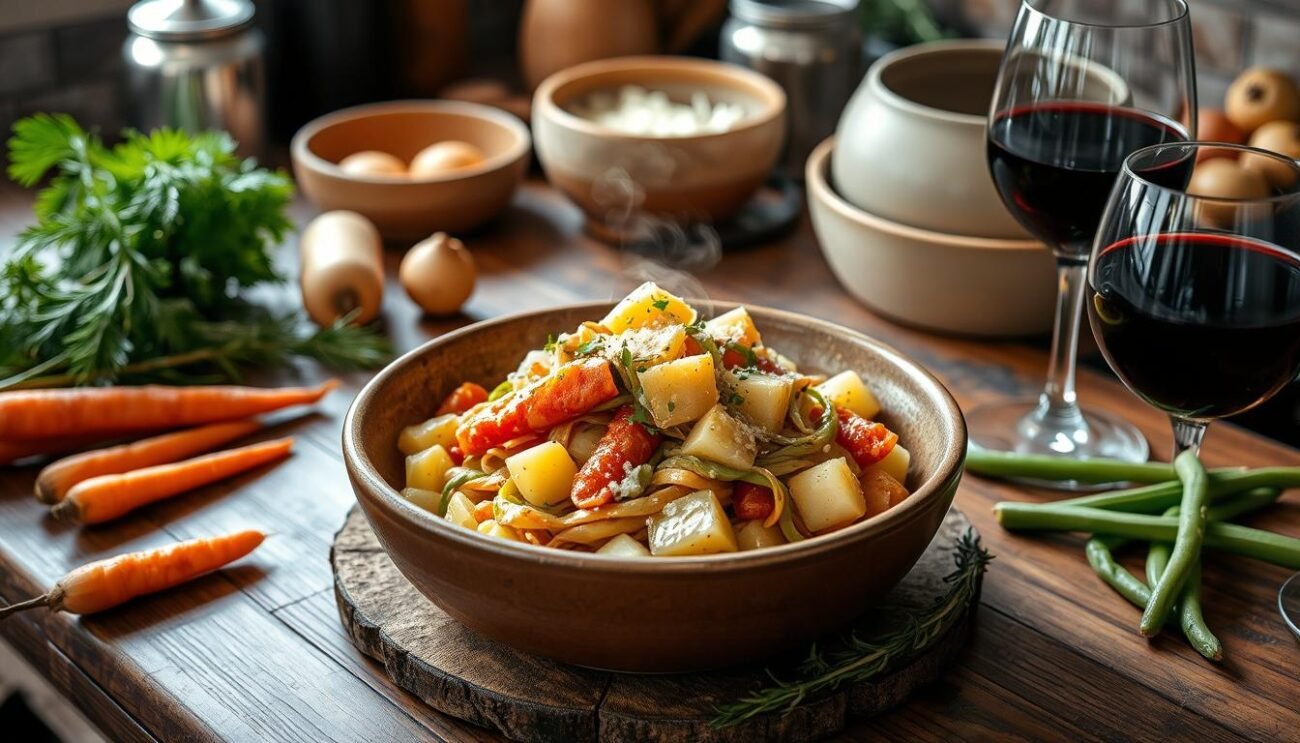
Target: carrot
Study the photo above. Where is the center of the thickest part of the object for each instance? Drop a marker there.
(624, 446)
(565, 393)
(27, 414)
(55, 480)
(106, 497)
(107, 583)
(483, 510)
(462, 398)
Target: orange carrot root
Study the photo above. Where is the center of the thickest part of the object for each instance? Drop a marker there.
(107, 583)
(56, 479)
(107, 497)
(28, 414)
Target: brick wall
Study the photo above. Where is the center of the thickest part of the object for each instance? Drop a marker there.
(1229, 35)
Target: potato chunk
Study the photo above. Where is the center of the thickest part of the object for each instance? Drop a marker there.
(691, 525)
(680, 391)
(734, 326)
(544, 474)
(500, 531)
(623, 546)
(460, 511)
(753, 535)
(440, 430)
(648, 305)
(895, 464)
(847, 390)
(426, 499)
(827, 495)
(427, 470)
(764, 399)
(719, 437)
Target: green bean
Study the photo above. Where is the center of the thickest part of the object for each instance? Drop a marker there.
(1192, 620)
(1154, 499)
(1256, 543)
(1039, 467)
(1102, 559)
(1187, 544)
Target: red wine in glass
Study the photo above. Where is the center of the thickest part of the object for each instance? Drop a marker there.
(1055, 164)
(1199, 324)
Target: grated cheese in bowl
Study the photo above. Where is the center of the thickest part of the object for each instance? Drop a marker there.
(634, 110)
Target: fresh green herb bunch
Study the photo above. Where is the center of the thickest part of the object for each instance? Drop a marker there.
(138, 262)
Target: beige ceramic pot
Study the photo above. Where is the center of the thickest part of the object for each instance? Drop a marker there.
(414, 208)
(708, 176)
(557, 34)
(648, 614)
(950, 283)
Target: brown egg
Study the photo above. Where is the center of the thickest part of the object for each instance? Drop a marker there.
(371, 163)
(1224, 179)
(1260, 95)
(444, 157)
(438, 274)
(1282, 137)
(1213, 126)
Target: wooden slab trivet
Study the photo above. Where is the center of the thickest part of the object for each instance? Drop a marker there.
(467, 676)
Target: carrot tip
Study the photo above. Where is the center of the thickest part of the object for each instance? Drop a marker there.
(329, 385)
(64, 511)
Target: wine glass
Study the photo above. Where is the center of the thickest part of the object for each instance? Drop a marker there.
(1081, 86)
(1195, 301)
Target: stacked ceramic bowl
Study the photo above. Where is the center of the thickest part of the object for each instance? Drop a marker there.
(905, 209)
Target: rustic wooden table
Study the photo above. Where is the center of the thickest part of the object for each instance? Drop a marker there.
(257, 652)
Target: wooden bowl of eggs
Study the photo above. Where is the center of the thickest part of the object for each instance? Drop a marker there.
(693, 137)
(413, 167)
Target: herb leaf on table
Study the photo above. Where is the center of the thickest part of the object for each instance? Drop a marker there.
(139, 259)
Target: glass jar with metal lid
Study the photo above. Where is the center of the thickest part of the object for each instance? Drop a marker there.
(813, 48)
(196, 65)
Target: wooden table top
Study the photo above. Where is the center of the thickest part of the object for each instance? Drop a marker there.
(257, 652)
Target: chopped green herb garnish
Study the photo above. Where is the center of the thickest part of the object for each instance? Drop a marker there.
(590, 347)
(661, 305)
(671, 406)
(551, 343)
(735, 399)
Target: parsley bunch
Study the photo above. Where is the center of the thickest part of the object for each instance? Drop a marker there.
(137, 265)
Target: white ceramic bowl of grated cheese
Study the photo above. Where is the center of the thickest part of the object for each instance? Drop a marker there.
(696, 137)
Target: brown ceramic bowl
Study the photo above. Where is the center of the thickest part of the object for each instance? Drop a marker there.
(703, 176)
(651, 614)
(413, 208)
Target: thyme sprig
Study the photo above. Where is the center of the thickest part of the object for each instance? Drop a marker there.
(854, 659)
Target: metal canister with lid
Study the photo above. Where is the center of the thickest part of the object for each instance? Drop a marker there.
(196, 65)
(813, 48)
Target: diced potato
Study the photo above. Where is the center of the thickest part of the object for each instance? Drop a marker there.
(427, 469)
(764, 400)
(680, 391)
(648, 305)
(691, 525)
(881, 492)
(583, 442)
(654, 345)
(544, 474)
(847, 390)
(623, 546)
(719, 437)
(734, 326)
(895, 464)
(460, 511)
(440, 430)
(426, 499)
(754, 535)
(500, 531)
(827, 495)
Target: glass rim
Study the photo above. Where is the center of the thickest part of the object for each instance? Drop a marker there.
(1183, 11)
(1128, 171)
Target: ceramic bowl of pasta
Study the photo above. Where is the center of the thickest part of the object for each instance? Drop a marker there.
(694, 138)
(649, 487)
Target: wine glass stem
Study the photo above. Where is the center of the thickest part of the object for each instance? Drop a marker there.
(1188, 434)
(1058, 399)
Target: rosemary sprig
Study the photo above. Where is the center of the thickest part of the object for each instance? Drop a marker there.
(856, 659)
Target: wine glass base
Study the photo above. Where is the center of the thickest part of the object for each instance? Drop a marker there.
(1288, 602)
(1023, 427)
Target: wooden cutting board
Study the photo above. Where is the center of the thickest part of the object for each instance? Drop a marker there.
(525, 697)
